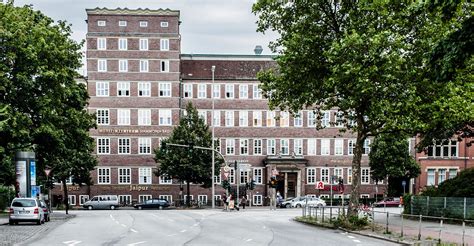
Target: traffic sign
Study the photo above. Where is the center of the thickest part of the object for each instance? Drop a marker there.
(226, 175)
(404, 183)
(320, 185)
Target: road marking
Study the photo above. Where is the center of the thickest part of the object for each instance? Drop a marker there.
(133, 244)
(133, 230)
(123, 225)
(351, 237)
(117, 222)
(196, 224)
(72, 242)
(112, 217)
(248, 240)
(357, 241)
(174, 234)
(183, 230)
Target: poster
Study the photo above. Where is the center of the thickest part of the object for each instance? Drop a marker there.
(21, 177)
(32, 173)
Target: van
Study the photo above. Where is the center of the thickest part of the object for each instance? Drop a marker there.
(102, 202)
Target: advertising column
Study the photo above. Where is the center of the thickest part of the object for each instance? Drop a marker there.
(25, 174)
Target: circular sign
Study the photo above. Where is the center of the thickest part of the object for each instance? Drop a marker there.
(226, 169)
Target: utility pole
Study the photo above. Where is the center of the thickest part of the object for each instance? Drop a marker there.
(213, 68)
(237, 181)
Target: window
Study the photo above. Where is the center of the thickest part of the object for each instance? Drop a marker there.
(257, 175)
(244, 146)
(430, 177)
(243, 91)
(164, 24)
(350, 146)
(101, 43)
(271, 148)
(325, 146)
(164, 44)
(102, 89)
(445, 148)
(188, 90)
(338, 175)
(83, 199)
(103, 145)
(257, 118)
(101, 23)
(142, 198)
(311, 119)
(72, 200)
(284, 146)
(270, 118)
(122, 44)
(144, 117)
(103, 175)
(298, 146)
(257, 146)
(123, 117)
(339, 119)
(165, 180)
(216, 91)
(217, 118)
(298, 120)
(164, 66)
(311, 146)
(203, 115)
(325, 175)
(441, 175)
(124, 145)
(349, 176)
(123, 66)
(284, 119)
(229, 146)
(124, 175)
(366, 150)
(168, 198)
(102, 116)
(144, 89)
(365, 175)
(122, 23)
(143, 23)
(202, 90)
(229, 118)
(102, 65)
(165, 89)
(257, 200)
(143, 65)
(229, 91)
(311, 175)
(123, 89)
(325, 119)
(144, 146)
(202, 199)
(243, 118)
(244, 177)
(165, 117)
(257, 93)
(339, 146)
(217, 179)
(125, 199)
(231, 176)
(452, 173)
(143, 44)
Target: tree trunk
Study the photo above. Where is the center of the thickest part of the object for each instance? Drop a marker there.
(65, 198)
(354, 199)
(188, 201)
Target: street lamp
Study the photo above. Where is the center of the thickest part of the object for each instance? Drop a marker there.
(213, 68)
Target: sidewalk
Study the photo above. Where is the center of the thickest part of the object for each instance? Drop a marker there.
(55, 215)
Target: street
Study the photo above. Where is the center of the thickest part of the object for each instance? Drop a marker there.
(193, 227)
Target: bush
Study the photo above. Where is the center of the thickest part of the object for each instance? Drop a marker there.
(351, 223)
(6, 195)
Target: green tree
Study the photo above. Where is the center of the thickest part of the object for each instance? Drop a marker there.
(390, 159)
(459, 186)
(46, 108)
(365, 58)
(188, 164)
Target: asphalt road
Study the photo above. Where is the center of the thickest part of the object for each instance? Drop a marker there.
(194, 227)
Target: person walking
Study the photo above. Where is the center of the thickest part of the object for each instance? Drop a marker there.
(225, 201)
(243, 201)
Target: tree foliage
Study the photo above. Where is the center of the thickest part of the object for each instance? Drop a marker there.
(46, 108)
(365, 58)
(188, 164)
(459, 186)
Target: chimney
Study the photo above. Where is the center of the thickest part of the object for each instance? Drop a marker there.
(258, 50)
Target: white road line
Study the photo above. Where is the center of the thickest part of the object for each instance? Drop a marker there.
(351, 237)
(248, 240)
(112, 217)
(72, 242)
(117, 222)
(133, 230)
(137, 243)
(357, 241)
(183, 231)
(174, 234)
(123, 225)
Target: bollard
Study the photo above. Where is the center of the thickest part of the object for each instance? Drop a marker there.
(419, 229)
(386, 227)
(463, 231)
(401, 231)
(440, 229)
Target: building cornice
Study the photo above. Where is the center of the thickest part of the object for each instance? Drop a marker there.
(126, 11)
(227, 57)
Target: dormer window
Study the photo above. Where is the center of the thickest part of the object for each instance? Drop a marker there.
(164, 24)
(101, 23)
(143, 23)
(122, 23)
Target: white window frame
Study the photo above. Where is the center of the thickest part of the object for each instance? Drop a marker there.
(310, 175)
(230, 146)
(202, 91)
(71, 200)
(349, 175)
(124, 146)
(187, 90)
(229, 91)
(164, 24)
(366, 147)
(122, 23)
(217, 118)
(430, 176)
(102, 89)
(216, 91)
(442, 175)
(257, 146)
(124, 175)
(144, 146)
(103, 146)
(168, 198)
(243, 91)
(203, 115)
(257, 118)
(164, 44)
(101, 65)
(351, 146)
(338, 146)
(103, 175)
(284, 119)
(101, 23)
(244, 146)
(311, 119)
(125, 199)
(325, 118)
(83, 199)
(229, 118)
(122, 44)
(165, 180)
(312, 146)
(123, 66)
(103, 116)
(365, 175)
(123, 117)
(298, 146)
(165, 117)
(271, 146)
(298, 120)
(258, 175)
(257, 92)
(101, 43)
(443, 149)
(164, 66)
(144, 89)
(324, 175)
(144, 117)
(243, 118)
(325, 146)
(284, 146)
(257, 200)
(144, 66)
(338, 172)
(143, 44)
(123, 89)
(164, 89)
(271, 119)
(142, 198)
(143, 23)
(202, 199)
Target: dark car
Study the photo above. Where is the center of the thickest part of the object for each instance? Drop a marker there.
(152, 203)
(45, 208)
(388, 202)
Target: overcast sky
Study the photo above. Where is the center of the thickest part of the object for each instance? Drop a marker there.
(208, 26)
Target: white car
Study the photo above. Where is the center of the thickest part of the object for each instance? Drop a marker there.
(26, 210)
(311, 201)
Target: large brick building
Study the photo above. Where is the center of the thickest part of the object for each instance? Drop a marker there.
(139, 82)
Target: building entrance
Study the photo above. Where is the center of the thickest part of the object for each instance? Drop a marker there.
(287, 183)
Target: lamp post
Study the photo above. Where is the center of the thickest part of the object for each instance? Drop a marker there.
(213, 68)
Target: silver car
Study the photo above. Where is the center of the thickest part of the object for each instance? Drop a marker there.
(102, 202)
(26, 210)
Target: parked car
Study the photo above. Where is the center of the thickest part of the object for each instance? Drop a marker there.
(45, 208)
(102, 202)
(26, 210)
(152, 203)
(286, 203)
(388, 202)
(311, 201)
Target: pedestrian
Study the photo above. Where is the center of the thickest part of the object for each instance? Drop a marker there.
(243, 201)
(230, 202)
(226, 202)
